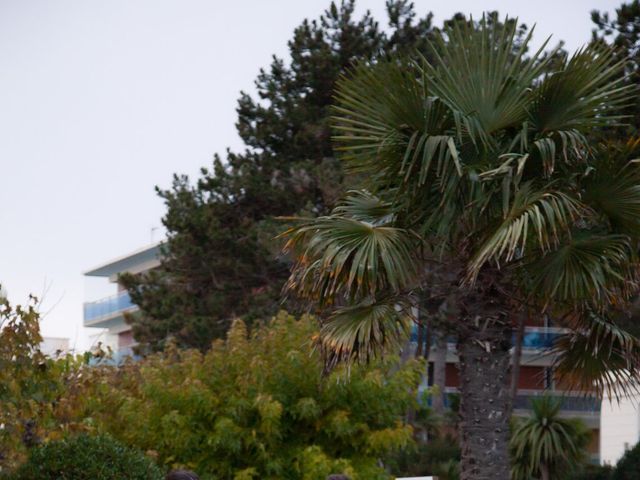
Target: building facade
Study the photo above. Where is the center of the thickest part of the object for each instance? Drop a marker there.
(107, 314)
(536, 378)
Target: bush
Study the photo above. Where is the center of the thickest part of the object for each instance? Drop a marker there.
(256, 406)
(33, 387)
(628, 467)
(85, 457)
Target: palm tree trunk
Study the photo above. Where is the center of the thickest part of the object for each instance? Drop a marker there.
(485, 402)
(439, 371)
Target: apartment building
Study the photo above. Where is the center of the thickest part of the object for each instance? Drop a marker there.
(107, 313)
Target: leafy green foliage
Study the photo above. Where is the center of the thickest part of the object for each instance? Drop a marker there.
(252, 407)
(546, 445)
(256, 406)
(32, 386)
(86, 458)
(22, 381)
(220, 260)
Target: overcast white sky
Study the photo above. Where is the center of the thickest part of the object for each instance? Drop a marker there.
(102, 100)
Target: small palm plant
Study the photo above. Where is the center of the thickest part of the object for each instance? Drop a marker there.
(482, 188)
(545, 445)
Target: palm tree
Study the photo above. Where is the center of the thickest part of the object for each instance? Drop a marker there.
(480, 187)
(546, 445)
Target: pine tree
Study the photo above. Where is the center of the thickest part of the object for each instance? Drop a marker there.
(623, 32)
(220, 260)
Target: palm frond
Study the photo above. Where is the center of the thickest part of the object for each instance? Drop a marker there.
(366, 330)
(363, 206)
(569, 145)
(481, 73)
(389, 126)
(538, 216)
(613, 187)
(598, 356)
(337, 255)
(586, 269)
(586, 92)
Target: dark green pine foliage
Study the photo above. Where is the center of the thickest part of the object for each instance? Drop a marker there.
(623, 32)
(221, 260)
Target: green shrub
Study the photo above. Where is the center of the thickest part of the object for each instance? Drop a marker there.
(546, 441)
(85, 457)
(256, 406)
(628, 468)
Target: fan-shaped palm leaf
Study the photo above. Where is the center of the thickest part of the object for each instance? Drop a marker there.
(365, 207)
(388, 126)
(587, 91)
(360, 332)
(587, 268)
(352, 252)
(597, 356)
(480, 73)
(613, 187)
(543, 216)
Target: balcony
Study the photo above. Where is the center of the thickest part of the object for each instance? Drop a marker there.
(571, 402)
(540, 338)
(99, 313)
(535, 338)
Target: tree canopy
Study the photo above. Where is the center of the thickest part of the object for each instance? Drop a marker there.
(255, 406)
(478, 163)
(220, 260)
